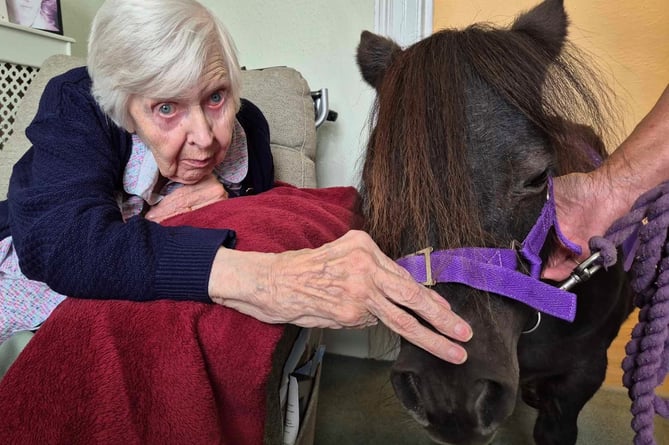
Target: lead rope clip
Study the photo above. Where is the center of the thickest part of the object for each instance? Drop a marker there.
(582, 272)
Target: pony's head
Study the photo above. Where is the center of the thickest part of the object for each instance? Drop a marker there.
(468, 126)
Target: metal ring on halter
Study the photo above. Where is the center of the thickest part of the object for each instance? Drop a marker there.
(536, 325)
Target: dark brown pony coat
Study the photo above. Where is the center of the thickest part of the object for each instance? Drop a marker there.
(467, 127)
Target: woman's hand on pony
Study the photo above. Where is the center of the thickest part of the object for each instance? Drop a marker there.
(348, 283)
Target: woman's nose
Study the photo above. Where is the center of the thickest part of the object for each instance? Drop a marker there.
(200, 128)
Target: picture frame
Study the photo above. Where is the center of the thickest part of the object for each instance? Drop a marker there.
(45, 15)
(3, 12)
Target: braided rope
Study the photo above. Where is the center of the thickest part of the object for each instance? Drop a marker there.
(647, 353)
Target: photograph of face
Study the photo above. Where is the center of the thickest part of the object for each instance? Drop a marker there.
(39, 14)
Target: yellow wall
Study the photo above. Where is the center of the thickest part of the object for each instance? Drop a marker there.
(629, 39)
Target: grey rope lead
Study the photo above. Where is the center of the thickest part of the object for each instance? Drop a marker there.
(647, 353)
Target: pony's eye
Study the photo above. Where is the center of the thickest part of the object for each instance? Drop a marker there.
(538, 181)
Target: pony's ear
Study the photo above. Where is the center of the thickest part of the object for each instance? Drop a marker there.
(374, 55)
(547, 23)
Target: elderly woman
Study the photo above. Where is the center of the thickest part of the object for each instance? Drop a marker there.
(154, 127)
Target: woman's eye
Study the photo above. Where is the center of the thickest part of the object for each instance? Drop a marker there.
(166, 108)
(216, 98)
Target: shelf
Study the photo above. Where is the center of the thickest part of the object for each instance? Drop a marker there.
(23, 45)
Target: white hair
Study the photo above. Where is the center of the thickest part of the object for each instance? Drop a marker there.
(154, 48)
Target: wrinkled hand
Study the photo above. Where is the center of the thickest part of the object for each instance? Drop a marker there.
(348, 283)
(587, 204)
(188, 197)
(586, 207)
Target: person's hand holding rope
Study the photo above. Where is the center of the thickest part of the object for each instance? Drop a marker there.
(588, 203)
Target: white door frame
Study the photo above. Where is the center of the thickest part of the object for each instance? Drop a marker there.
(405, 21)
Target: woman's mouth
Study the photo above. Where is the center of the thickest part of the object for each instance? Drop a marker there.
(197, 163)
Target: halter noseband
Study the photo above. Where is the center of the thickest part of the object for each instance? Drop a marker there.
(495, 270)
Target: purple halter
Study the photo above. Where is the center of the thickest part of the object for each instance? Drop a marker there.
(496, 270)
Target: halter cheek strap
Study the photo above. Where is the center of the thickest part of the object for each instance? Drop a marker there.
(496, 270)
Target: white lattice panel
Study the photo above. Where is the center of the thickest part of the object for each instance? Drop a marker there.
(14, 81)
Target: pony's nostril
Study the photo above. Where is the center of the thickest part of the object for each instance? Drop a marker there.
(489, 403)
(407, 388)
(407, 383)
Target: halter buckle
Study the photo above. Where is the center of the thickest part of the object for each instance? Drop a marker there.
(427, 253)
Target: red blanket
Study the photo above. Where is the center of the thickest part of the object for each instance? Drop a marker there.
(164, 372)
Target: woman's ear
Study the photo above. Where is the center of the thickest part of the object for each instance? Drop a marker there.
(129, 124)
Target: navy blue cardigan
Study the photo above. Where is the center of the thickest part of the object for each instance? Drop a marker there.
(65, 222)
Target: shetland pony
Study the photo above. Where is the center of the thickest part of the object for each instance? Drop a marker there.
(467, 128)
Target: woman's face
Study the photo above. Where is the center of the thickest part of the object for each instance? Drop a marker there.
(188, 135)
(23, 11)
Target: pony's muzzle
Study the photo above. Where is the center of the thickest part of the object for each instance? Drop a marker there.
(459, 414)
